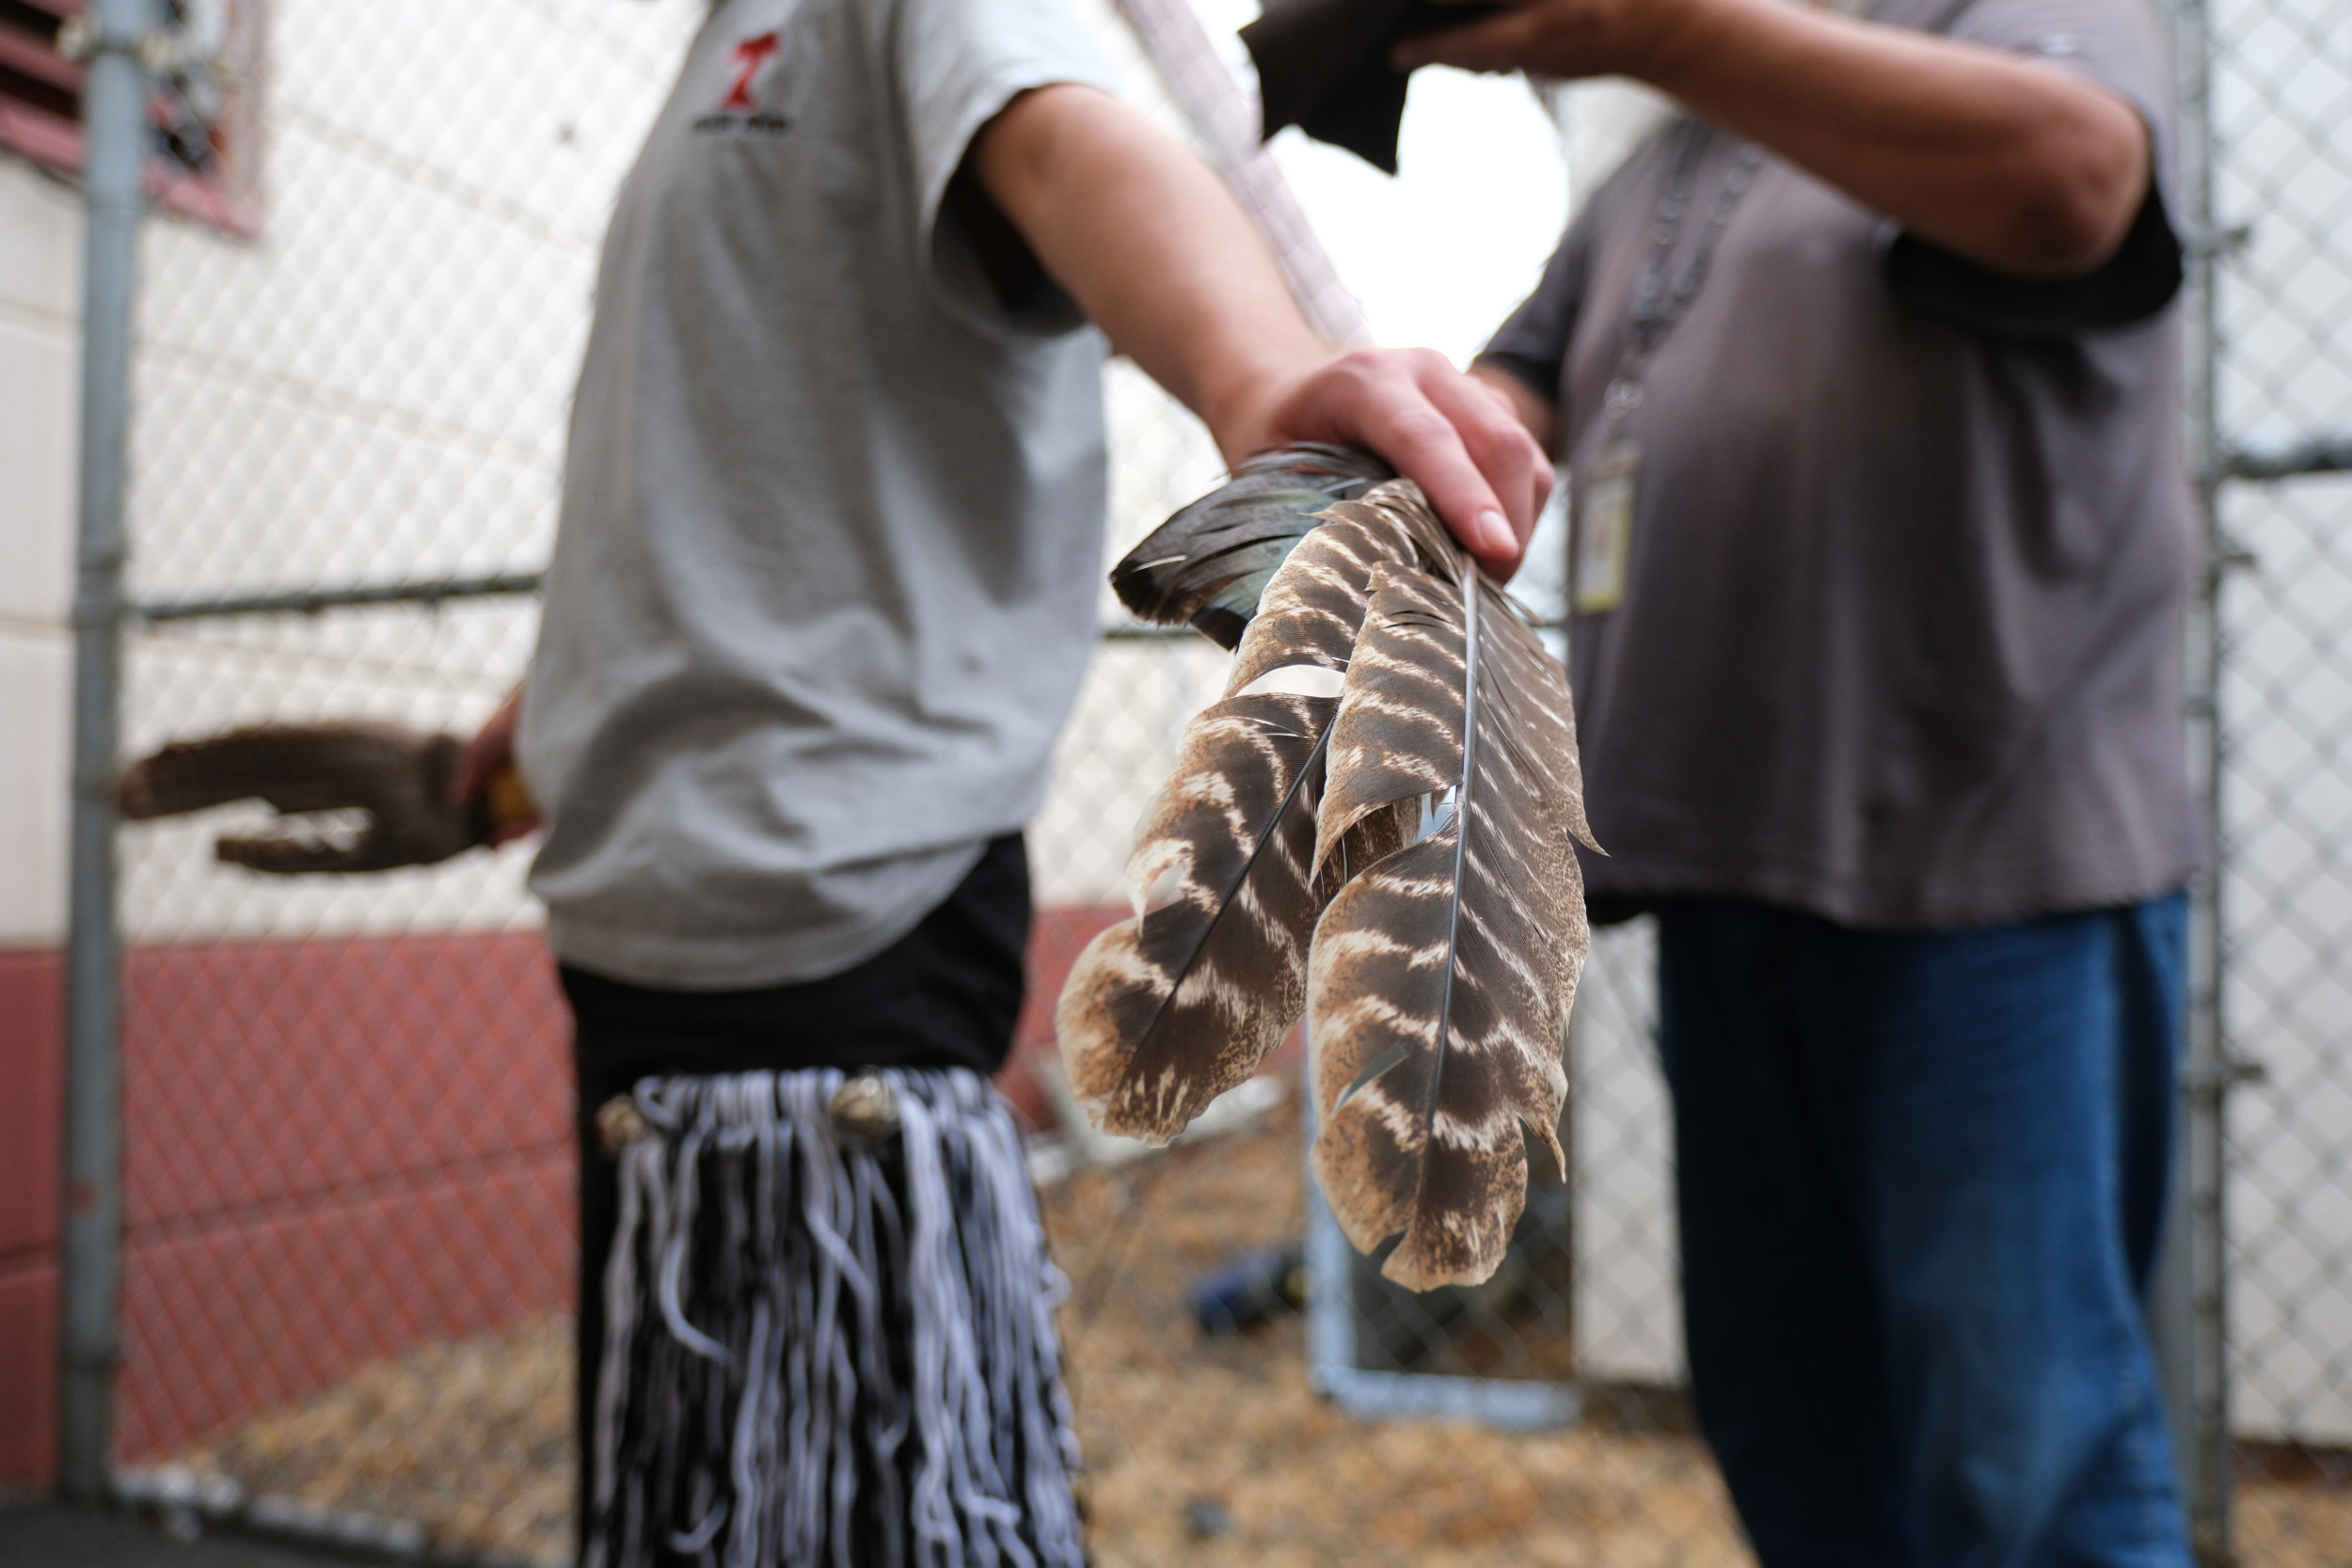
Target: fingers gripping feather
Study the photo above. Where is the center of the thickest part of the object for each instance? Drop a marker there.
(1441, 976)
(1165, 1012)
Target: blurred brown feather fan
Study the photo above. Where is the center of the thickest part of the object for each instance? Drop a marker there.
(1375, 816)
(393, 779)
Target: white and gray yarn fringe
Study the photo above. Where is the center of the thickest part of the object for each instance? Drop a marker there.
(827, 1349)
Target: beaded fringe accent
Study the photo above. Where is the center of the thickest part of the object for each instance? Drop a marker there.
(828, 1348)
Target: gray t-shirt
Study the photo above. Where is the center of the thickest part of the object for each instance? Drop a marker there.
(824, 582)
(1900, 636)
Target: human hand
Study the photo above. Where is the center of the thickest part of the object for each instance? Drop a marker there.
(486, 774)
(1162, 257)
(1560, 38)
(1454, 436)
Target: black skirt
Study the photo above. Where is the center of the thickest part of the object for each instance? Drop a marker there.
(945, 996)
(829, 1335)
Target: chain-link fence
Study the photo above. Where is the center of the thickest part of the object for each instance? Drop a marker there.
(347, 1246)
(2277, 162)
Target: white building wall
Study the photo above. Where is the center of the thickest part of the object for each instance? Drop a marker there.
(40, 253)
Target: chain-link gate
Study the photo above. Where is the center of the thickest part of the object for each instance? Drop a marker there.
(346, 1242)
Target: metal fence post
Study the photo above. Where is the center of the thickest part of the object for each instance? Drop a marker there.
(2198, 1365)
(114, 121)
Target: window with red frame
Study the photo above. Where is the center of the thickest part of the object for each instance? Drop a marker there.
(202, 113)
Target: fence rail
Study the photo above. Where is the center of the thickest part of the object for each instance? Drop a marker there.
(2331, 455)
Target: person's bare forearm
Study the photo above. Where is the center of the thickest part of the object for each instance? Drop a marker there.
(2016, 164)
(1161, 257)
(1156, 251)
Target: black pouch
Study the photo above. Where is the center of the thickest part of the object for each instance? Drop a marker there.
(1323, 66)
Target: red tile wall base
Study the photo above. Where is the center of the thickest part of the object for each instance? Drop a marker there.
(32, 1116)
(1055, 939)
(28, 1370)
(332, 1149)
(225, 1320)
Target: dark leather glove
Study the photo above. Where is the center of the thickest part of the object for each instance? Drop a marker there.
(1323, 66)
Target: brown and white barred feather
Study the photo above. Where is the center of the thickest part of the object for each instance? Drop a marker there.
(1375, 817)
(1167, 1010)
(1441, 975)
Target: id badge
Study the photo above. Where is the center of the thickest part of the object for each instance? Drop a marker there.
(1604, 532)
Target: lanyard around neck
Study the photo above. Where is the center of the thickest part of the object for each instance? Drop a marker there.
(1656, 305)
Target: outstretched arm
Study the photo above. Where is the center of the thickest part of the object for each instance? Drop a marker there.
(1161, 257)
(2018, 165)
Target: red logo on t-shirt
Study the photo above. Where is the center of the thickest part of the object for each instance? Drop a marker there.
(750, 58)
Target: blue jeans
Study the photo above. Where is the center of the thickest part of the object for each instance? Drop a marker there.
(1921, 1181)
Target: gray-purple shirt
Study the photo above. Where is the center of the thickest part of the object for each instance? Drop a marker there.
(1901, 637)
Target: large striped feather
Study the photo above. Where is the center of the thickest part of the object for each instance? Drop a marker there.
(1441, 975)
(1165, 1011)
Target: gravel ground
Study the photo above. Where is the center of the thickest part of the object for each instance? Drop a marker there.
(1210, 1452)
(472, 1439)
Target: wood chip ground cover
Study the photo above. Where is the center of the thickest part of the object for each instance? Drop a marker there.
(1201, 1451)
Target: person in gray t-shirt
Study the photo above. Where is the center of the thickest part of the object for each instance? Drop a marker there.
(822, 592)
(829, 554)
(1866, 382)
